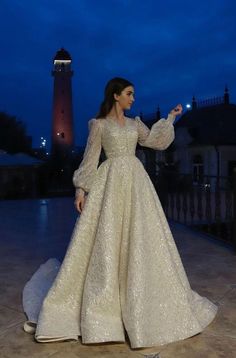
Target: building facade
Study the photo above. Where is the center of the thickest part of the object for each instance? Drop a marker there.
(205, 141)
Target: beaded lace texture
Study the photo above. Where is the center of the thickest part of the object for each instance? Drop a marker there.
(122, 270)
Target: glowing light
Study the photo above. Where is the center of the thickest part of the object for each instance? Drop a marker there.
(43, 142)
(59, 62)
(188, 106)
(58, 133)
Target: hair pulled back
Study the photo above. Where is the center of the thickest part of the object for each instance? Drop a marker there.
(115, 85)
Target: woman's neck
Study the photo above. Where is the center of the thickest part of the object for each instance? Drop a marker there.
(116, 113)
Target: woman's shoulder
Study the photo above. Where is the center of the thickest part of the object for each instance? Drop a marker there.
(133, 119)
(94, 123)
(96, 120)
(99, 122)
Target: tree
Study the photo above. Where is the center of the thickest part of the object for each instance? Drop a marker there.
(13, 137)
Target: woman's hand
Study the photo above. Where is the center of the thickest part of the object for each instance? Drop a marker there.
(177, 110)
(80, 201)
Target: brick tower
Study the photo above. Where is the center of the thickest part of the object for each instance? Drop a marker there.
(62, 126)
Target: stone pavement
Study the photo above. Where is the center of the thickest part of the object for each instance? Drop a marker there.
(31, 231)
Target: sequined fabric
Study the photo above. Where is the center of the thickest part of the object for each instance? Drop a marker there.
(122, 270)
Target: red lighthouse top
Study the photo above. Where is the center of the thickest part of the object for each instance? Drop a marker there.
(62, 55)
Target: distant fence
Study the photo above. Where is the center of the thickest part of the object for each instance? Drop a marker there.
(211, 101)
(206, 203)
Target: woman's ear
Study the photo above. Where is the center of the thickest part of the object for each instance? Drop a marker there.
(116, 97)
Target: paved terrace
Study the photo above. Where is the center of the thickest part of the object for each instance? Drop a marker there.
(31, 231)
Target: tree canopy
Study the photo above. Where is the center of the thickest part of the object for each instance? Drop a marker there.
(13, 136)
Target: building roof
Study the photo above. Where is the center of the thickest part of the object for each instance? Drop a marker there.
(212, 125)
(62, 54)
(19, 159)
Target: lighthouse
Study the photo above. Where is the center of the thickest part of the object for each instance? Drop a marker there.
(62, 124)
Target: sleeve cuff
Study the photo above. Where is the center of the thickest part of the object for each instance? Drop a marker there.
(171, 118)
(79, 192)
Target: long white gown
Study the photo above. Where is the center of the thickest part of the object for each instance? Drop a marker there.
(122, 270)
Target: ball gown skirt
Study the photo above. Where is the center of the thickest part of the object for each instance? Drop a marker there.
(122, 270)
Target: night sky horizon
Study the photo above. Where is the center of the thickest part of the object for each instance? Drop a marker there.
(170, 51)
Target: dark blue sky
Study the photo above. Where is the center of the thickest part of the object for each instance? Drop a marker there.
(169, 49)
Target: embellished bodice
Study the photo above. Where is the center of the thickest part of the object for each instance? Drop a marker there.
(120, 140)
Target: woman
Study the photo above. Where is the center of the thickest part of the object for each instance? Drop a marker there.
(122, 271)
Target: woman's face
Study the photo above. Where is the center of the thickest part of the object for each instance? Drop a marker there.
(126, 98)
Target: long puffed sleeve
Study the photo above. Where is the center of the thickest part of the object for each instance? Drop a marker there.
(160, 136)
(84, 175)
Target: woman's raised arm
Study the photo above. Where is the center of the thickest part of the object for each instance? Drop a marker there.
(160, 136)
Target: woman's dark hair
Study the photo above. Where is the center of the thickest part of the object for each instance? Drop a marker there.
(115, 85)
